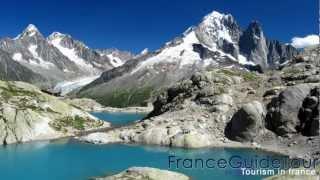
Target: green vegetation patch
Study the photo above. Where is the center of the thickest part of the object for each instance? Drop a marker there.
(11, 91)
(76, 122)
(126, 98)
(247, 76)
(291, 71)
(229, 72)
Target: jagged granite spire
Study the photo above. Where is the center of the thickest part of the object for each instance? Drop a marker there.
(258, 49)
(253, 44)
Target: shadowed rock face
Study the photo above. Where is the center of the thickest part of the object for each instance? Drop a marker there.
(254, 45)
(283, 112)
(266, 53)
(247, 123)
(309, 114)
(279, 53)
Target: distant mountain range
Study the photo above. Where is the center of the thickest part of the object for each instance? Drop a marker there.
(55, 59)
(217, 41)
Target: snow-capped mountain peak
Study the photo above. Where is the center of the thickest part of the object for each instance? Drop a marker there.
(30, 31)
(65, 39)
(31, 28)
(214, 42)
(216, 28)
(214, 16)
(68, 49)
(214, 39)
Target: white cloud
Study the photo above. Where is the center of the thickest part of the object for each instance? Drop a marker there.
(302, 42)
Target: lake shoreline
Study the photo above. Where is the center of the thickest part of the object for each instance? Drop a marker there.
(294, 147)
(232, 145)
(229, 144)
(98, 158)
(77, 140)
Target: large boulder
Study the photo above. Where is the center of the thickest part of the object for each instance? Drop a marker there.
(247, 123)
(283, 111)
(145, 173)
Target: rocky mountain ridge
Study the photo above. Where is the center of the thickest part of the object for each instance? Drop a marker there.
(11, 70)
(217, 42)
(56, 58)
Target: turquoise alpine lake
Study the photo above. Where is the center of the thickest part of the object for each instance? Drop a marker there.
(119, 118)
(68, 159)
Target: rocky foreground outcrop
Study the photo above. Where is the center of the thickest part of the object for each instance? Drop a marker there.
(277, 110)
(145, 173)
(27, 114)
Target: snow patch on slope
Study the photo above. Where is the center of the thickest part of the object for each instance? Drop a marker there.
(71, 54)
(244, 61)
(17, 57)
(182, 53)
(66, 87)
(115, 61)
(33, 50)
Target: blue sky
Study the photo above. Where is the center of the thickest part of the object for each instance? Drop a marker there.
(137, 24)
